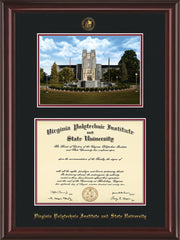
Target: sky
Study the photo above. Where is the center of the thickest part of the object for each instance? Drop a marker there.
(60, 49)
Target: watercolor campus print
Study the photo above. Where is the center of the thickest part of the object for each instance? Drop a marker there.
(90, 70)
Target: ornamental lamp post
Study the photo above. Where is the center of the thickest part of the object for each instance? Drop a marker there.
(46, 83)
(136, 82)
(116, 80)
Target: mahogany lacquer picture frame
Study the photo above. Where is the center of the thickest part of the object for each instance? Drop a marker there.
(88, 155)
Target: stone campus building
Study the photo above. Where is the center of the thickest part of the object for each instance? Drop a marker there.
(89, 70)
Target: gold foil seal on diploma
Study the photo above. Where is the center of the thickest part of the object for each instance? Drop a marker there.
(90, 194)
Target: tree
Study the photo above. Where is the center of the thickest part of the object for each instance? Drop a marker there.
(66, 75)
(132, 64)
(112, 74)
(42, 75)
(123, 72)
(54, 78)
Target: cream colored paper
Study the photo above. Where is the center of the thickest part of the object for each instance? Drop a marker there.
(70, 169)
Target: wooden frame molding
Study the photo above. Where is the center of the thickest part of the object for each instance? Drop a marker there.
(8, 8)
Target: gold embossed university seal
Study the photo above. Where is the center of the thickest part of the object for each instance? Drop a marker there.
(90, 194)
(88, 24)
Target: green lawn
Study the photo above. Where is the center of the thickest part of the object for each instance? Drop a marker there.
(53, 85)
(117, 97)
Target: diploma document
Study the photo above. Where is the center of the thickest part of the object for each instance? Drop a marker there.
(89, 162)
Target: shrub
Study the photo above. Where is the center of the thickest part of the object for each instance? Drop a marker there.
(54, 87)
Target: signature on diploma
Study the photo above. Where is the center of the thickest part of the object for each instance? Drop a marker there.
(60, 195)
(123, 196)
